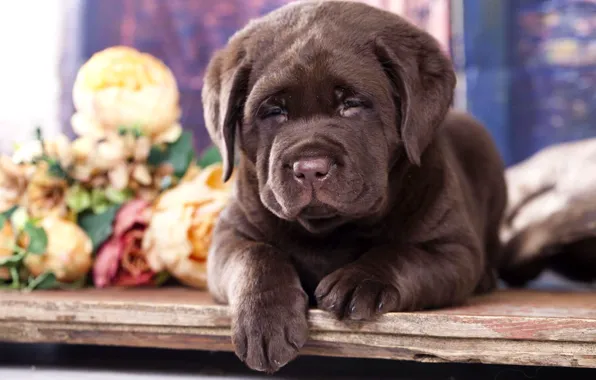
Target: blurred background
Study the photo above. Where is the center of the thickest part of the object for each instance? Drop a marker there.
(527, 68)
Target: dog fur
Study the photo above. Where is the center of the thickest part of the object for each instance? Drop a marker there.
(407, 217)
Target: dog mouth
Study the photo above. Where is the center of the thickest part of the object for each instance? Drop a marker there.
(320, 225)
(319, 218)
(318, 212)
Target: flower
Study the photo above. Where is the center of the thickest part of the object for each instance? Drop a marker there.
(120, 260)
(118, 162)
(27, 152)
(68, 253)
(46, 193)
(6, 242)
(121, 87)
(13, 182)
(58, 148)
(179, 234)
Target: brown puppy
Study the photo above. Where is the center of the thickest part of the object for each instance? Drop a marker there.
(355, 186)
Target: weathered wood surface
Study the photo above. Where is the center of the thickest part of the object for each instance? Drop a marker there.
(513, 327)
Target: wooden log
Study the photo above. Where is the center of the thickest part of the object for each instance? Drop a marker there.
(508, 327)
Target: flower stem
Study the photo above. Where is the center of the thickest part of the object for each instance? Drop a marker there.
(16, 282)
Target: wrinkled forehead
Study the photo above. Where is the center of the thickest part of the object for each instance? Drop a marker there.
(315, 67)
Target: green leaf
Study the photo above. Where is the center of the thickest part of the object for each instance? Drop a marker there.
(38, 239)
(157, 155)
(12, 261)
(8, 213)
(78, 199)
(98, 226)
(99, 201)
(98, 196)
(136, 130)
(179, 154)
(55, 169)
(209, 157)
(45, 280)
(182, 153)
(160, 278)
(118, 196)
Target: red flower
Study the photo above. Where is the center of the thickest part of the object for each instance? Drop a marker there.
(120, 260)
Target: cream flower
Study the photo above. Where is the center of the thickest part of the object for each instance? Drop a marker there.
(117, 161)
(121, 87)
(68, 254)
(6, 242)
(45, 194)
(58, 148)
(179, 234)
(13, 182)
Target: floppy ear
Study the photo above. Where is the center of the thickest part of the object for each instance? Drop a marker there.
(424, 80)
(225, 89)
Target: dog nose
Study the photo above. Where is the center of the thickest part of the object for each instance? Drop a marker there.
(311, 170)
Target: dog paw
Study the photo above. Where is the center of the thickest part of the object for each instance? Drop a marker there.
(269, 329)
(352, 293)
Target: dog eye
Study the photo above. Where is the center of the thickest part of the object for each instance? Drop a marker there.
(352, 103)
(352, 107)
(273, 111)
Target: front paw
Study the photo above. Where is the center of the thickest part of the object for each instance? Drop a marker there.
(357, 294)
(269, 328)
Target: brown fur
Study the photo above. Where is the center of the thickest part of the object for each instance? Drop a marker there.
(407, 218)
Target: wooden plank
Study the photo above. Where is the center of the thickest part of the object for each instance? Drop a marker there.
(509, 327)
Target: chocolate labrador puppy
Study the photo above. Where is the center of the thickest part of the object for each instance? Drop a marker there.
(356, 189)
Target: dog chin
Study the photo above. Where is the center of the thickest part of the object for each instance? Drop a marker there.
(314, 217)
(323, 225)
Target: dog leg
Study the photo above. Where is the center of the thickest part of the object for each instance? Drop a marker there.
(268, 305)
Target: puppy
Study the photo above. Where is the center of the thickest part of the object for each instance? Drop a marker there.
(357, 191)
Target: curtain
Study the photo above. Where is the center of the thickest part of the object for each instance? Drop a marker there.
(185, 33)
(528, 70)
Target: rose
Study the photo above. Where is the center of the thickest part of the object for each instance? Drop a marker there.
(68, 252)
(120, 260)
(179, 234)
(121, 87)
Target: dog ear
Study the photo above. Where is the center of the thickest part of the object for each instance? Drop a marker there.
(423, 79)
(224, 93)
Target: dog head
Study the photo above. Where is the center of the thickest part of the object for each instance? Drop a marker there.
(324, 99)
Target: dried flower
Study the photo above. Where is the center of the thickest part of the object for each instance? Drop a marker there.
(45, 193)
(68, 252)
(58, 149)
(6, 243)
(120, 261)
(13, 182)
(179, 234)
(118, 162)
(122, 88)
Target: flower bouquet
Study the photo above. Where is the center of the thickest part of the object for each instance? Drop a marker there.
(128, 202)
